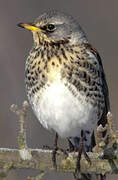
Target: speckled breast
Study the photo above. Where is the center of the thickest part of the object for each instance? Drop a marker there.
(61, 82)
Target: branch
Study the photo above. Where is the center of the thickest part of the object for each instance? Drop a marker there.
(42, 160)
(104, 158)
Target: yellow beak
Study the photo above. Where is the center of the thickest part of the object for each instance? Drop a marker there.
(28, 26)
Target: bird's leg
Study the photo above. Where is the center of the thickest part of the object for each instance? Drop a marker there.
(55, 151)
(102, 177)
(71, 147)
(80, 151)
(77, 174)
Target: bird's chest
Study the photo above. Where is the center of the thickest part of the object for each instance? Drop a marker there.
(59, 109)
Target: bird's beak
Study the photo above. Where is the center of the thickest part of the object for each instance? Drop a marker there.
(29, 26)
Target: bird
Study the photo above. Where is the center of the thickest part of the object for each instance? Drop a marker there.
(65, 80)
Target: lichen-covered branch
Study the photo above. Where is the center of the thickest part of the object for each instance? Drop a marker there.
(21, 113)
(104, 158)
(42, 160)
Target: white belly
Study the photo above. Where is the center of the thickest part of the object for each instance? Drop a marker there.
(59, 110)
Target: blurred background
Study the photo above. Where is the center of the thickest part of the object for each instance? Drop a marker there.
(99, 19)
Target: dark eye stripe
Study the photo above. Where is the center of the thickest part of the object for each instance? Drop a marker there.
(43, 28)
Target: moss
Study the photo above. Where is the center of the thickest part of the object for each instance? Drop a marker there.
(6, 169)
(68, 164)
(21, 141)
(8, 166)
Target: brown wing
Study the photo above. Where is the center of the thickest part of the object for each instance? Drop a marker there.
(103, 119)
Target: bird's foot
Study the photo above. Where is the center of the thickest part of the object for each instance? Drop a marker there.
(54, 153)
(77, 174)
(54, 149)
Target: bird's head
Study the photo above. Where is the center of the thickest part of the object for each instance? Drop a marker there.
(54, 26)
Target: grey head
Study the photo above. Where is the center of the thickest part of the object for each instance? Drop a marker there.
(55, 26)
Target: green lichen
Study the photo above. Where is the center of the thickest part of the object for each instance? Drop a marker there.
(8, 166)
(21, 141)
(68, 164)
(6, 169)
(38, 177)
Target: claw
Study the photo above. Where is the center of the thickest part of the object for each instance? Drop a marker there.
(54, 152)
(54, 158)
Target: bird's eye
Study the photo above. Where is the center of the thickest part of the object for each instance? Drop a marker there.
(50, 27)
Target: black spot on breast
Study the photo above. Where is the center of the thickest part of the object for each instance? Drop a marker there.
(84, 75)
(29, 78)
(33, 78)
(82, 58)
(36, 73)
(63, 53)
(43, 76)
(53, 63)
(84, 89)
(92, 83)
(45, 66)
(34, 66)
(32, 72)
(96, 88)
(27, 71)
(59, 58)
(37, 54)
(33, 91)
(78, 63)
(88, 79)
(37, 88)
(71, 50)
(77, 57)
(42, 54)
(39, 70)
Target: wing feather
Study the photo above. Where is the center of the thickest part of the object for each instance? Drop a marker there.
(103, 119)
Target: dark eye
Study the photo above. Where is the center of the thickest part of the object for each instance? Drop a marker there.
(50, 27)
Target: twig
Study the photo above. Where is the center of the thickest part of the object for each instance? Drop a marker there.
(21, 113)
